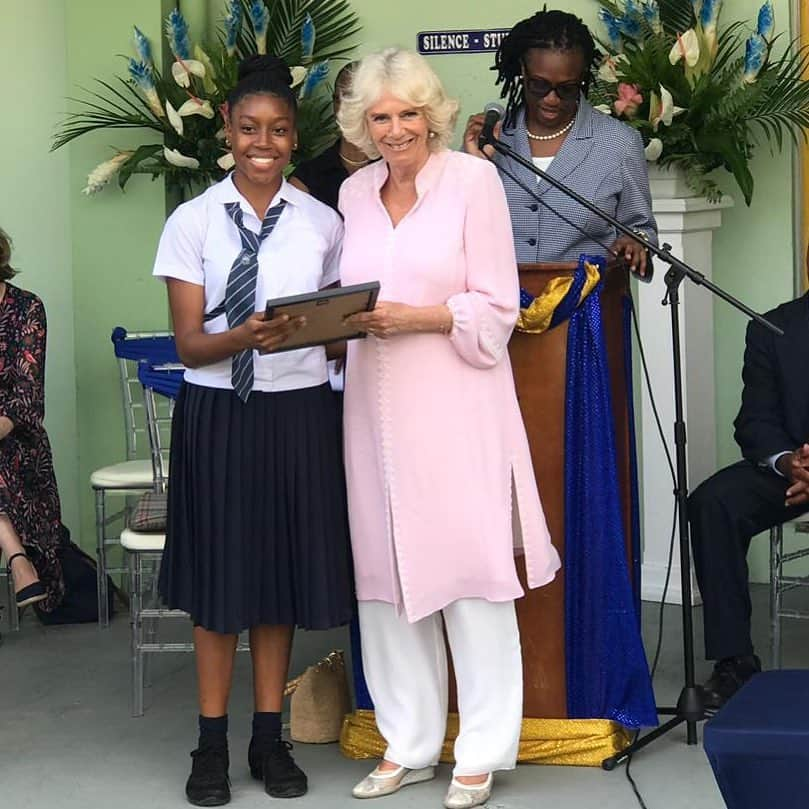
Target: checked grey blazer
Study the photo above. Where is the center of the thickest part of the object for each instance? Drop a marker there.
(602, 159)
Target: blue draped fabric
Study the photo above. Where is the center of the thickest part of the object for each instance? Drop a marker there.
(163, 379)
(156, 349)
(607, 673)
(633, 453)
(362, 698)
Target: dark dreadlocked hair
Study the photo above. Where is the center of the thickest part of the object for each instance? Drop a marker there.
(550, 30)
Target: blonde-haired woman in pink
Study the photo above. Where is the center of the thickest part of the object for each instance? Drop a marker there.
(440, 484)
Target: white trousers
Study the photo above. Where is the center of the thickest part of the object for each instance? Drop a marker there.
(406, 671)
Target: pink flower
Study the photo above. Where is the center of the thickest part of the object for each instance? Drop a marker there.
(628, 101)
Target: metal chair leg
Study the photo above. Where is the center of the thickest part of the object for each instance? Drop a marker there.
(13, 612)
(101, 559)
(150, 624)
(779, 602)
(136, 633)
(776, 572)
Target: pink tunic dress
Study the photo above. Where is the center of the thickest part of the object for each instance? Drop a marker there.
(441, 490)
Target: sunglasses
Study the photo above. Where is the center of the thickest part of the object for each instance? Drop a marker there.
(539, 88)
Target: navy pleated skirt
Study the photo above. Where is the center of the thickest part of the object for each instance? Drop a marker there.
(257, 527)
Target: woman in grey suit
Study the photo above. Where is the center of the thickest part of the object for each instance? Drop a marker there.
(545, 65)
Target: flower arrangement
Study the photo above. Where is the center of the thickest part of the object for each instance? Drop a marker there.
(702, 97)
(183, 108)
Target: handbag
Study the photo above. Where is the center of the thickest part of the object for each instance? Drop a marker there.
(149, 513)
(80, 602)
(320, 701)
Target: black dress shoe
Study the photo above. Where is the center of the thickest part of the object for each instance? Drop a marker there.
(208, 784)
(729, 675)
(30, 594)
(273, 762)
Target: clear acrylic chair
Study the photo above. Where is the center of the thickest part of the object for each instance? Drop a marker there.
(136, 473)
(161, 384)
(782, 582)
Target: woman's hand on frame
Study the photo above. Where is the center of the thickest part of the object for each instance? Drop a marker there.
(386, 320)
(267, 335)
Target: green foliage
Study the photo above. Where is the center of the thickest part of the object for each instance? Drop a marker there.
(730, 100)
(131, 104)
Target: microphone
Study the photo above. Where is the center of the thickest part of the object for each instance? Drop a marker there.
(493, 112)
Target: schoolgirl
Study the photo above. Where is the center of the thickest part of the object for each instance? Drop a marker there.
(256, 535)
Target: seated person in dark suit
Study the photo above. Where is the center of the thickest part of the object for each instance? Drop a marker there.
(769, 487)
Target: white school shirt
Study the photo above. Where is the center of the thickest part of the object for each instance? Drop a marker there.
(199, 244)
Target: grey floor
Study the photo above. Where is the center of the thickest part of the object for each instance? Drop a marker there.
(67, 740)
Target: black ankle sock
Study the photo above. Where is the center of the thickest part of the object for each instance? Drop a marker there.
(266, 726)
(213, 731)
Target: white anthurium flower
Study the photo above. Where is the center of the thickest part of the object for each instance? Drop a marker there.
(196, 107)
(653, 150)
(210, 72)
(180, 160)
(183, 69)
(174, 118)
(226, 162)
(104, 172)
(298, 75)
(686, 47)
(605, 108)
(610, 65)
(662, 109)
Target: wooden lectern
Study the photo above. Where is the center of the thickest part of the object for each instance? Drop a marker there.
(539, 364)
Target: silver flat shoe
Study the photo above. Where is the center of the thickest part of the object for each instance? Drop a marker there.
(377, 783)
(462, 796)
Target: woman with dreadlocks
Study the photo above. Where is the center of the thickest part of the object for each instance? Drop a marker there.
(545, 65)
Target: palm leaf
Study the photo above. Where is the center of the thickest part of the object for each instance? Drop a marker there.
(676, 16)
(782, 101)
(728, 44)
(316, 128)
(110, 111)
(334, 22)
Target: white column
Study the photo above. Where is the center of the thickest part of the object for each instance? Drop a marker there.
(686, 222)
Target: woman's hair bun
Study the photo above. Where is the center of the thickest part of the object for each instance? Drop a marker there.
(271, 66)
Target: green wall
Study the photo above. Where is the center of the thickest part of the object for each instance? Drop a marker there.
(35, 209)
(91, 262)
(113, 238)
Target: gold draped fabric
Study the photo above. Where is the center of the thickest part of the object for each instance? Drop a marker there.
(537, 317)
(582, 742)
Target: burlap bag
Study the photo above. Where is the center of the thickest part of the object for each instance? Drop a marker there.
(320, 700)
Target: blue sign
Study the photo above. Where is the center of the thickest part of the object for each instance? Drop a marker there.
(431, 43)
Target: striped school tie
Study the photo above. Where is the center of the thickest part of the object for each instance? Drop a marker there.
(240, 294)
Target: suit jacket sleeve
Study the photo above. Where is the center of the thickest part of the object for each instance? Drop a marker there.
(760, 425)
(635, 203)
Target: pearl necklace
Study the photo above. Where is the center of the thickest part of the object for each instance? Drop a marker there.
(550, 137)
(354, 162)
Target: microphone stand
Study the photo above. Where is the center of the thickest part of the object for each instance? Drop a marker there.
(690, 706)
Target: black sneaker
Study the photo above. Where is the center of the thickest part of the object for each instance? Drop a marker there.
(272, 762)
(729, 675)
(208, 784)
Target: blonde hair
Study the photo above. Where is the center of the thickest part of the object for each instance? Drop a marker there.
(407, 76)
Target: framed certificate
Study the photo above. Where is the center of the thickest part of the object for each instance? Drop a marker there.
(325, 312)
